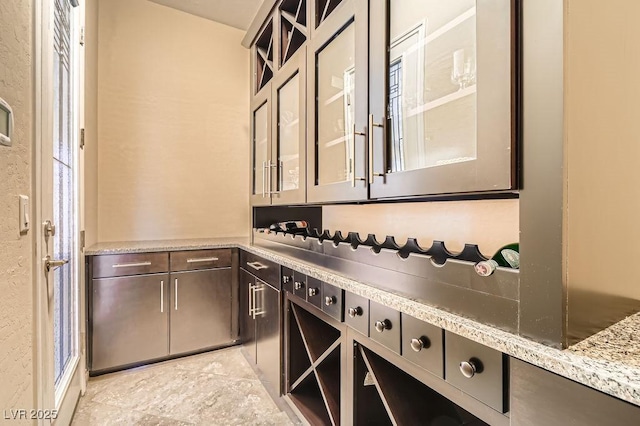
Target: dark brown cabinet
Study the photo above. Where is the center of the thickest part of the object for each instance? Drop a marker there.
(260, 319)
(401, 100)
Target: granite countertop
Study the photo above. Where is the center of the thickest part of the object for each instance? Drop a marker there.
(608, 361)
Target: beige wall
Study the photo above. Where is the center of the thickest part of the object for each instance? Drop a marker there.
(16, 251)
(91, 122)
(173, 139)
(488, 223)
(602, 93)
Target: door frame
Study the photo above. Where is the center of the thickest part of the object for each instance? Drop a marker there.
(45, 394)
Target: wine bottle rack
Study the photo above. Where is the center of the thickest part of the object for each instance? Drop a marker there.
(264, 57)
(435, 275)
(314, 357)
(386, 395)
(324, 9)
(293, 27)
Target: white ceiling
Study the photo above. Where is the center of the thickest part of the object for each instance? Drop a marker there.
(236, 13)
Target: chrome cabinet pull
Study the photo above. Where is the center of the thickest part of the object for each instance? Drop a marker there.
(130, 265)
(250, 300)
(372, 174)
(353, 157)
(257, 265)
(258, 310)
(176, 291)
(161, 296)
(203, 259)
(264, 168)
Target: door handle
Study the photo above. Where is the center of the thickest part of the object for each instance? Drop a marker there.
(257, 265)
(52, 264)
(353, 157)
(203, 259)
(384, 148)
(258, 310)
(251, 298)
(161, 296)
(175, 283)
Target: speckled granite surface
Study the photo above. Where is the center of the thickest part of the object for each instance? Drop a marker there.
(608, 361)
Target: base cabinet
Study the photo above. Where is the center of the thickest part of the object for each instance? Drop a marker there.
(260, 323)
(129, 320)
(200, 310)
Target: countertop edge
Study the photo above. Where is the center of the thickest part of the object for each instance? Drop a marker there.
(608, 376)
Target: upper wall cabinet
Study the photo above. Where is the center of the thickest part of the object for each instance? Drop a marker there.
(441, 97)
(278, 120)
(337, 63)
(400, 99)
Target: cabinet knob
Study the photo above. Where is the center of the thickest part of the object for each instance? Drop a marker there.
(354, 312)
(286, 279)
(420, 343)
(468, 369)
(329, 300)
(297, 285)
(312, 292)
(383, 325)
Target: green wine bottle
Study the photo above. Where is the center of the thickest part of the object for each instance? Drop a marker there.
(507, 257)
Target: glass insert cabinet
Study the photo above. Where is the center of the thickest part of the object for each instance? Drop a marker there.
(401, 98)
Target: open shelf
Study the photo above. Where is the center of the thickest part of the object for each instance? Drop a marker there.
(314, 357)
(318, 336)
(403, 397)
(324, 9)
(293, 27)
(308, 398)
(264, 57)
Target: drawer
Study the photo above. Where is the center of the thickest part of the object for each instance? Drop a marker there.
(190, 260)
(287, 279)
(384, 326)
(266, 270)
(300, 285)
(119, 265)
(332, 300)
(485, 370)
(314, 292)
(422, 344)
(356, 312)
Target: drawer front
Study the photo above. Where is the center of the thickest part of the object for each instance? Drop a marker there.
(266, 270)
(356, 312)
(332, 300)
(314, 292)
(191, 260)
(300, 285)
(287, 279)
(120, 265)
(422, 344)
(384, 326)
(487, 382)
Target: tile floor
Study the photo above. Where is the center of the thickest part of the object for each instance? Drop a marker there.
(215, 388)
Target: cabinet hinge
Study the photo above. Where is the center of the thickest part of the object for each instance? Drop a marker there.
(81, 36)
(82, 240)
(81, 138)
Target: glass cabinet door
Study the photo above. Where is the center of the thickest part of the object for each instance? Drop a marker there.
(288, 154)
(261, 148)
(441, 97)
(337, 103)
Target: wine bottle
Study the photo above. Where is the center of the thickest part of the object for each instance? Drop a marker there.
(294, 226)
(507, 257)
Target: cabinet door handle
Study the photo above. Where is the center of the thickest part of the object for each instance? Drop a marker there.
(259, 308)
(264, 178)
(175, 283)
(130, 265)
(353, 157)
(203, 259)
(250, 300)
(384, 148)
(161, 296)
(257, 265)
